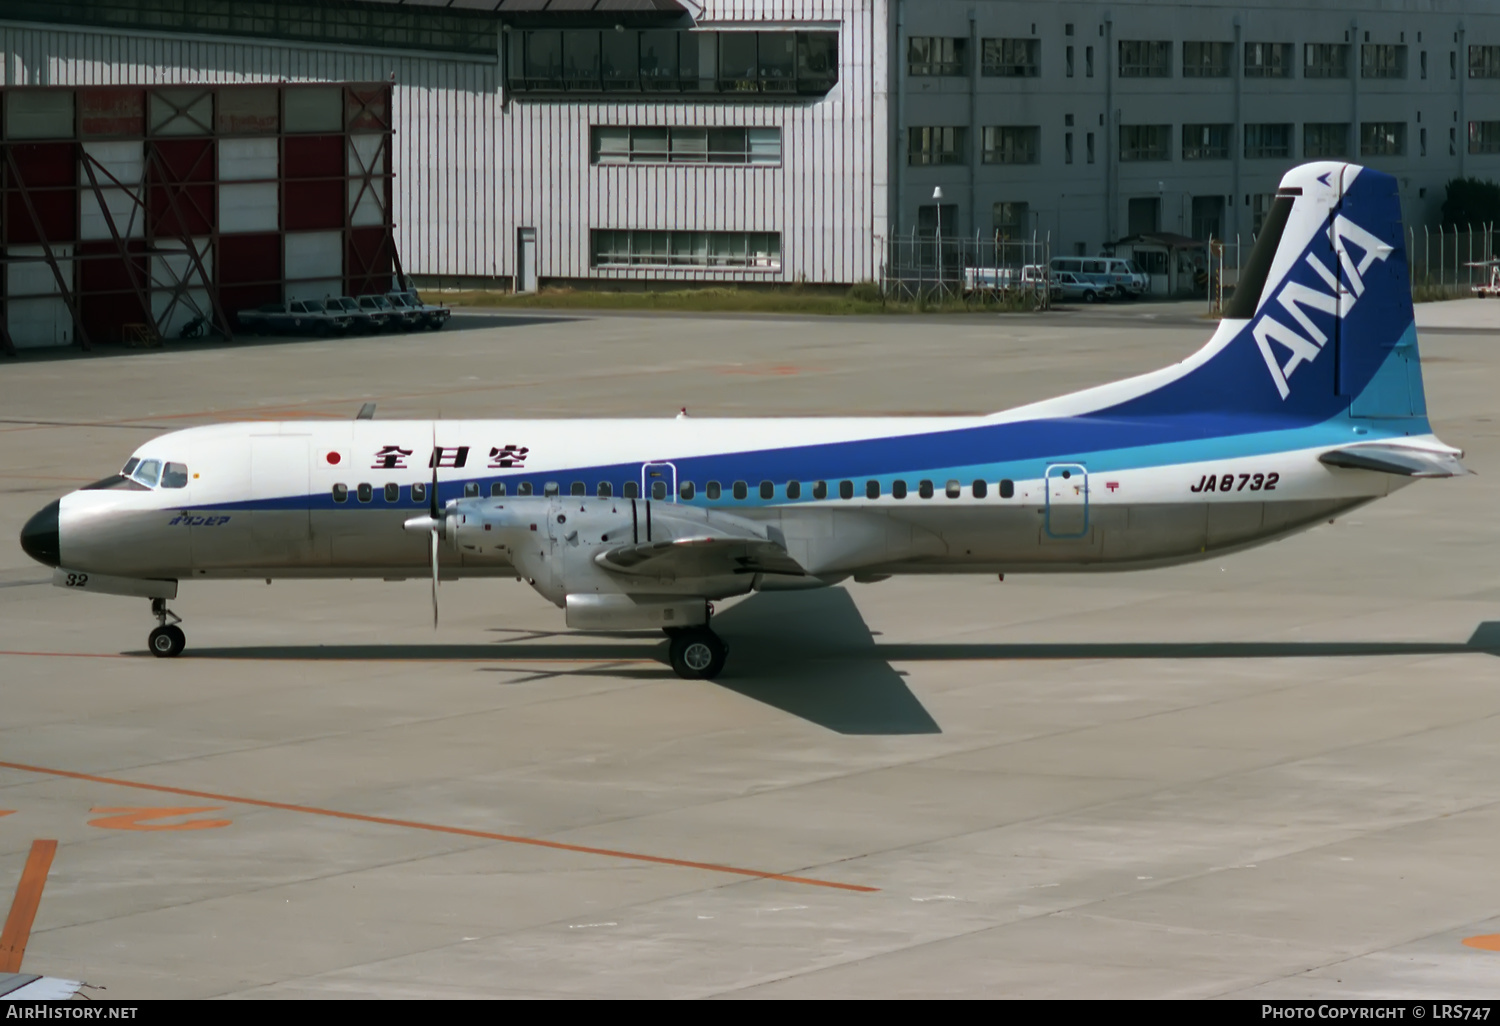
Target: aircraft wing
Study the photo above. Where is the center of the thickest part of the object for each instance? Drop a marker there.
(1404, 460)
(30, 987)
(700, 555)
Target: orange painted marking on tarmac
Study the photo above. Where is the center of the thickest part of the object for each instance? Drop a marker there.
(23, 909)
(437, 828)
(1484, 942)
(7, 812)
(142, 819)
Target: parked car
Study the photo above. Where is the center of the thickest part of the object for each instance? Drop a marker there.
(1071, 285)
(383, 313)
(430, 317)
(1104, 271)
(292, 317)
(360, 320)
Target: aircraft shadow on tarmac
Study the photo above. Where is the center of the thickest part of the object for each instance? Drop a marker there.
(811, 654)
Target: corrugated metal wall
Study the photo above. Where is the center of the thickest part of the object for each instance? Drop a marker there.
(473, 166)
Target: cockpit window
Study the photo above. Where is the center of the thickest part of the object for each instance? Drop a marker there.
(148, 472)
(175, 475)
(130, 466)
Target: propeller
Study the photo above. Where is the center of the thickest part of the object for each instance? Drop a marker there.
(434, 523)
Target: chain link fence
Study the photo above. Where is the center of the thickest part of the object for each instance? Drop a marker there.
(974, 270)
(1449, 262)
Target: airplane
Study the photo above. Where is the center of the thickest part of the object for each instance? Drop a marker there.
(1306, 403)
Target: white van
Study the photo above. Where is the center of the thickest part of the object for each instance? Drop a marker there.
(1128, 280)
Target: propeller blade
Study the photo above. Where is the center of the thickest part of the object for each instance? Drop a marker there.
(434, 578)
(433, 491)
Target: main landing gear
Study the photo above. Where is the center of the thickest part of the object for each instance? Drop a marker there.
(167, 641)
(697, 653)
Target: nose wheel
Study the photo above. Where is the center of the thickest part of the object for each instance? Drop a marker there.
(167, 641)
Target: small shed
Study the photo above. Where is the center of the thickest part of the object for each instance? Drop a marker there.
(1178, 265)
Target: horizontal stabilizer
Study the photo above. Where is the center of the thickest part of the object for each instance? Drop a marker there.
(1406, 461)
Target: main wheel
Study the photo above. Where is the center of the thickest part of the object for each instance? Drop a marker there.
(167, 642)
(698, 654)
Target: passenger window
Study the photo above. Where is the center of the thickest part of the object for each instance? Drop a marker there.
(605, 489)
(794, 489)
(767, 490)
(820, 489)
(366, 492)
(550, 488)
(898, 489)
(148, 472)
(497, 490)
(340, 493)
(174, 475)
(471, 489)
(1007, 488)
(846, 489)
(418, 492)
(685, 490)
(658, 490)
(632, 490)
(392, 493)
(524, 488)
(980, 489)
(741, 490)
(711, 490)
(924, 489)
(872, 489)
(579, 488)
(953, 489)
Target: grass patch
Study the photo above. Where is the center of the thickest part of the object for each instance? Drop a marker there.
(861, 299)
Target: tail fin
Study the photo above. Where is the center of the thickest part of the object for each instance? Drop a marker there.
(1321, 322)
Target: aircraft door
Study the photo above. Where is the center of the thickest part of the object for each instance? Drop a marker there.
(280, 484)
(659, 482)
(1067, 501)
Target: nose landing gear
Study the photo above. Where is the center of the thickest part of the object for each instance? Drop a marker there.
(167, 640)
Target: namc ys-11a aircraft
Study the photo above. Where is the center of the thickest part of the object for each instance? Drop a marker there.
(1306, 403)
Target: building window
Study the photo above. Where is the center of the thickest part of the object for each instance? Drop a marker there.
(1382, 60)
(1015, 58)
(1422, 62)
(1206, 142)
(936, 56)
(1207, 60)
(1145, 142)
(1089, 145)
(932, 216)
(1011, 144)
(1067, 147)
(1145, 59)
(1325, 60)
(940, 145)
(667, 60)
(1143, 215)
(1268, 60)
(1268, 141)
(1484, 62)
(1260, 206)
(1484, 136)
(1208, 217)
(618, 144)
(1324, 140)
(1382, 139)
(1069, 61)
(629, 248)
(1012, 220)
(1088, 62)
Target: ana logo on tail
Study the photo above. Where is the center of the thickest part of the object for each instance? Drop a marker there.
(1297, 298)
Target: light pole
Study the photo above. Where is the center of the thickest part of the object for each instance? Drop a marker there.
(937, 201)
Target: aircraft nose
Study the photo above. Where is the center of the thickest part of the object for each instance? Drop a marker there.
(39, 538)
